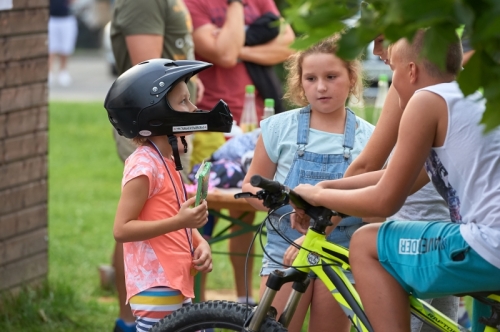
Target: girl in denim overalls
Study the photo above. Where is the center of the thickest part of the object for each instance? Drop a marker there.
(309, 145)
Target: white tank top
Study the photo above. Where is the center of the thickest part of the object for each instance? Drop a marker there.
(466, 171)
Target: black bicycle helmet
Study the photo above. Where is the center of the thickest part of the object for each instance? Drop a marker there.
(137, 106)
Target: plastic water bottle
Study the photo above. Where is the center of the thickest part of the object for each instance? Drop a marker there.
(235, 130)
(268, 108)
(383, 87)
(357, 105)
(248, 120)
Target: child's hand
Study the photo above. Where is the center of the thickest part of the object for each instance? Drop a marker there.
(300, 221)
(202, 258)
(307, 192)
(194, 217)
(292, 252)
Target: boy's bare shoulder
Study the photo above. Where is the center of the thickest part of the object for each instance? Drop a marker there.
(426, 118)
(427, 103)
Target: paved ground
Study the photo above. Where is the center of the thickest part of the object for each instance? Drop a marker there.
(91, 77)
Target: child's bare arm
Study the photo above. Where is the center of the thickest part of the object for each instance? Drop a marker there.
(354, 182)
(381, 143)
(261, 165)
(134, 195)
(202, 259)
(419, 125)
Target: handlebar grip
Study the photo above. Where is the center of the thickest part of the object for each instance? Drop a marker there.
(266, 184)
(298, 201)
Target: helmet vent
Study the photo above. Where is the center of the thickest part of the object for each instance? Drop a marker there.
(113, 120)
(144, 62)
(170, 64)
(155, 123)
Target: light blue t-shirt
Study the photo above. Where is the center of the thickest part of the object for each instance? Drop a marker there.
(279, 134)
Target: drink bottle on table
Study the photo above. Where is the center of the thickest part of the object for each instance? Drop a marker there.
(268, 108)
(248, 120)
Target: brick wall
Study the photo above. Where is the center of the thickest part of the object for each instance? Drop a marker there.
(23, 143)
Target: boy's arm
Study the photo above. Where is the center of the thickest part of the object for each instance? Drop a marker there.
(381, 143)
(354, 182)
(419, 123)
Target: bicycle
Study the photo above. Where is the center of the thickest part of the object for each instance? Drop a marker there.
(328, 261)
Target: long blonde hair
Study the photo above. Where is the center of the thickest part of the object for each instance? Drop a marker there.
(295, 91)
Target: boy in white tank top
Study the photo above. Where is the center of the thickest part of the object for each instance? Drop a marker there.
(440, 134)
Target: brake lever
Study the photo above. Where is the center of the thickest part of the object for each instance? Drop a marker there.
(245, 195)
(271, 201)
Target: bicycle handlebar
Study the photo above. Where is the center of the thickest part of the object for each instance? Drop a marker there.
(266, 184)
(275, 187)
(320, 214)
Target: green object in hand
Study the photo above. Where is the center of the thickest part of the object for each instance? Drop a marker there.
(202, 179)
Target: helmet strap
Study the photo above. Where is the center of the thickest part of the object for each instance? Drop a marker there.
(172, 139)
(183, 140)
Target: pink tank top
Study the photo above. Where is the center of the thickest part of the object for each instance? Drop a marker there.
(166, 259)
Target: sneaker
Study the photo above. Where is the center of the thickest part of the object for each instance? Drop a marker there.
(64, 78)
(122, 326)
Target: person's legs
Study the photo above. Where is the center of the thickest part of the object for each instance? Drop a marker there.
(124, 309)
(281, 298)
(326, 315)
(384, 299)
(67, 35)
(238, 248)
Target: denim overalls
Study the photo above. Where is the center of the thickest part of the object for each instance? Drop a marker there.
(311, 168)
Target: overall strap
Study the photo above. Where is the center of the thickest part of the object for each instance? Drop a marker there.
(349, 133)
(303, 128)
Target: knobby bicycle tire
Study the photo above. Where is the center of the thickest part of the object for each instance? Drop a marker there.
(229, 316)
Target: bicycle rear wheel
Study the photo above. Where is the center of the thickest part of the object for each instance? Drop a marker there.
(212, 316)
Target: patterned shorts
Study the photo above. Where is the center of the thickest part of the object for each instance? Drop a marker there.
(154, 304)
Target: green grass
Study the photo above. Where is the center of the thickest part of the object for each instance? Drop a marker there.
(84, 187)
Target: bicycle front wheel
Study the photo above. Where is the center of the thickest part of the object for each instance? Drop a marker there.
(212, 316)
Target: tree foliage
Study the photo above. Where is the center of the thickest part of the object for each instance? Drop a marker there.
(361, 23)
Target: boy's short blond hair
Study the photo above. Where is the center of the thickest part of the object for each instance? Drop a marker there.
(412, 52)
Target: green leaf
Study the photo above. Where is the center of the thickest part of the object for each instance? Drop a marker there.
(487, 26)
(436, 43)
(351, 44)
(469, 78)
(491, 116)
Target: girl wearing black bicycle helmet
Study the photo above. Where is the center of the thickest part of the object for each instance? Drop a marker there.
(163, 249)
(137, 106)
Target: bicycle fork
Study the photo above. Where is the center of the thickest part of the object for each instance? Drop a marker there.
(274, 283)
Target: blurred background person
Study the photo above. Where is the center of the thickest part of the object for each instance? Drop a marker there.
(63, 30)
(143, 30)
(219, 37)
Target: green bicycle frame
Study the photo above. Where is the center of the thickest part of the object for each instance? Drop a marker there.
(320, 255)
(319, 251)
